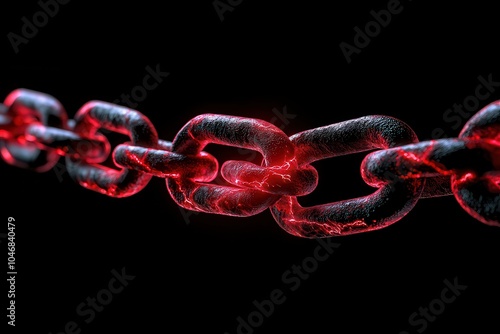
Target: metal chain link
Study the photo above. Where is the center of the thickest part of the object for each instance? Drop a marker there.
(35, 132)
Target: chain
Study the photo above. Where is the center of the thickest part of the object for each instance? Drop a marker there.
(35, 133)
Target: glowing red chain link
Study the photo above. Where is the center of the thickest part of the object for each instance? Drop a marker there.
(35, 132)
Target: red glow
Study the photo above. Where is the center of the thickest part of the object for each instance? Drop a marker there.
(116, 183)
(35, 132)
(247, 197)
(286, 179)
(25, 108)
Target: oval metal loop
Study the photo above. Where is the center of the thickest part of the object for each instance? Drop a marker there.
(479, 192)
(249, 133)
(24, 107)
(95, 115)
(391, 202)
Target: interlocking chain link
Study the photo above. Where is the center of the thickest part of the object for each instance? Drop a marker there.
(35, 132)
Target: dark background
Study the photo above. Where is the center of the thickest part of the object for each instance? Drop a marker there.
(200, 276)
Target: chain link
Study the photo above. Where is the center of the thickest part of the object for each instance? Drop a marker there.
(35, 132)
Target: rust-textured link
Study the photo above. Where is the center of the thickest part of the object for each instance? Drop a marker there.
(389, 203)
(279, 165)
(478, 191)
(22, 108)
(95, 115)
(35, 132)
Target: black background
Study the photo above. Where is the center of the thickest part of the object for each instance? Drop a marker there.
(200, 276)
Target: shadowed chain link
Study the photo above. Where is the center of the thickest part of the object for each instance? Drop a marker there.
(35, 132)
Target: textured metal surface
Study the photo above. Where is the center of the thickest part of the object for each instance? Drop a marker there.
(162, 162)
(68, 143)
(116, 183)
(271, 142)
(387, 205)
(478, 191)
(22, 108)
(35, 132)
